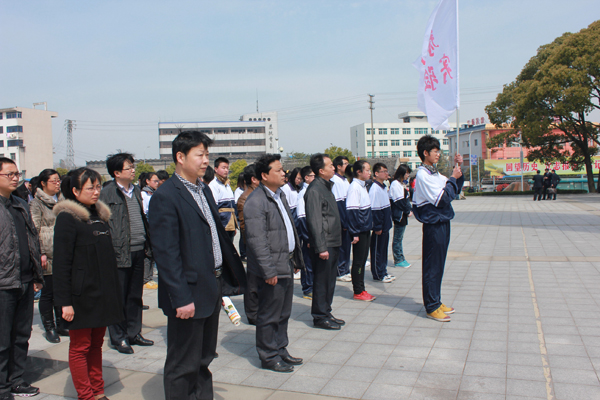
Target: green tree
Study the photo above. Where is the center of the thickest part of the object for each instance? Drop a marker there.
(305, 157)
(171, 169)
(234, 171)
(142, 167)
(62, 171)
(334, 151)
(549, 104)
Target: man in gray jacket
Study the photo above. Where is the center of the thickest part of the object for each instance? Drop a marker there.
(325, 237)
(274, 254)
(20, 276)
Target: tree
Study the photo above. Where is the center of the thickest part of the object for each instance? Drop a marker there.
(142, 167)
(549, 103)
(334, 151)
(171, 169)
(234, 171)
(62, 171)
(444, 165)
(304, 157)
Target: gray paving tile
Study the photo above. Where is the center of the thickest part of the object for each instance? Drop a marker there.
(385, 391)
(344, 388)
(405, 363)
(576, 392)
(438, 381)
(425, 393)
(575, 376)
(525, 372)
(491, 370)
(483, 384)
(532, 389)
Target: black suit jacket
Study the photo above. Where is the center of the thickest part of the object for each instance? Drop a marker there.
(183, 252)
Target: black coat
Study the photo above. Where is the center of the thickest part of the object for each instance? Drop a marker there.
(547, 179)
(538, 181)
(85, 265)
(182, 248)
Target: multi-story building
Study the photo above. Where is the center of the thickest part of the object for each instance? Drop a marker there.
(395, 139)
(26, 137)
(250, 137)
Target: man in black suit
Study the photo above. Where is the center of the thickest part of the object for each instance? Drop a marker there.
(197, 264)
(538, 183)
(547, 184)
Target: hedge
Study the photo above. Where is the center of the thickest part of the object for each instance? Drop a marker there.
(528, 193)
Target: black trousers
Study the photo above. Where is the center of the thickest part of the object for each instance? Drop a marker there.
(379, 254)
(324, 272)
(46, 303)
(345, 250)
(537, 192)
(132, 287)
(436, 239)
(251, 297)
(545, 192)
(360, 252)
(191, 345)
(274, 310)
(16, 317)
(306, 275)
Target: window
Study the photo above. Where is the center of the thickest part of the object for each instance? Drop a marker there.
(395, 143)
(396, 153)
(1, 129)
(369, 154)
(1, 143)
(383, 131)
(406, 131)
(383, 154)
(369, 142)
(420, 131)
(15, 114)
(17, 128)
(435, 132)
(445, 142)
(368, 131)
(1, 114)
(475, 142)
(406, 142)
(407, 154)
(14, 143)
(13, 156)
(446, 152)
(395, 131)
(383, 142)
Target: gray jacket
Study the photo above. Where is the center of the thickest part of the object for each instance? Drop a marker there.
(119, 222)
(322, 216)
(10, 270)
(266, 237)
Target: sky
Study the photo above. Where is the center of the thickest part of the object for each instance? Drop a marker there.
(119, 67)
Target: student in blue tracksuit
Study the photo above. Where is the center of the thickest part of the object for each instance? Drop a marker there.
(360, 223)
(382, 223)
(224, 196)
(306, 277)
(340, 192)
(432, 207)
(401, 209)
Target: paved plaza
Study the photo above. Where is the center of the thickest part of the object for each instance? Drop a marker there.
(523, 276)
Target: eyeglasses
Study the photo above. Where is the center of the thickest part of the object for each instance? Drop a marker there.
(56, 182)
(128, 168)
(92, 189)
(12, 175)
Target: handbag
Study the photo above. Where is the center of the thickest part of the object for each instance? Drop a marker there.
(552, 190)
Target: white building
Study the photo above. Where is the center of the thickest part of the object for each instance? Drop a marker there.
(26, 138)
(250, 137)
(395, 139)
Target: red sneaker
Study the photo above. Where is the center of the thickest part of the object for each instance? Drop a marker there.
(364, 296)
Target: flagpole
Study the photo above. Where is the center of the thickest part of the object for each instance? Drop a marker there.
(457, 131)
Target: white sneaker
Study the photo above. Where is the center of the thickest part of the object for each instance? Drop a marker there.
(368, 264)
(344, 278)
(387, 279)
(392, 277)
(297, 275)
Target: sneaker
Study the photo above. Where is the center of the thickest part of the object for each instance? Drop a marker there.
(25, 390)
(344, 278)
(402, 264)
(439, 315)
(390, 277)
(307, 296)
(364, 296)
(151, 285)
(446, 310)
(297, 275)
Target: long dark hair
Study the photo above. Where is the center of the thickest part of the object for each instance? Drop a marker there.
(44, 176)
(292, 179)
(402, 170)
(75, 179)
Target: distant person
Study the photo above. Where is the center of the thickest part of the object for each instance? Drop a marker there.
(401, 209)
(538, 185)
(292, 188)
(547, 184)
(209, 176)
(554, 181)
(382, 223)
(432, 207)
(149, 185)
(306, 275)
(340, 191)
(20, 275)
(86, 277)
(241, 187)
(223, 195)
(24, 191)
(162, 176)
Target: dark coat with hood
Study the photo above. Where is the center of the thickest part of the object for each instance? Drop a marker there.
(85, 266)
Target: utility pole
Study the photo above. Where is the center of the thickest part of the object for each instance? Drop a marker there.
(371, 102)
(70, 159)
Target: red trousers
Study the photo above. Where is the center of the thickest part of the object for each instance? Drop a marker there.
(85, 361)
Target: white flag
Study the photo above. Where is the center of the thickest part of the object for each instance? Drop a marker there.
(438, 65)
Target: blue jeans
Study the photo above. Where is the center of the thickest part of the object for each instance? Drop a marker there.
(397, 243)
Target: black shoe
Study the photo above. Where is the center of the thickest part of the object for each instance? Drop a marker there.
(6, 396)
(338, 321)
(327, 324)
(145, 307)
(292, 360)
(216, 355)
(279, 366)
(48, 322)
(25, 390)
(123, 347)
(140, 341)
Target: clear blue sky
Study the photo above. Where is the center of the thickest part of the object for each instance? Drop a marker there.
(120, 67)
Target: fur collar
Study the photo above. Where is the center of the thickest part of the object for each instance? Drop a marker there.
(81, 212)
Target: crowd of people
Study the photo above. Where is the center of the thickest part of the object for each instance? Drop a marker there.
(91, 248)
(545, 185)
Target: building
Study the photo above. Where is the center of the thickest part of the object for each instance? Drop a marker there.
(395, 139)
(249, 138)
(26, 138)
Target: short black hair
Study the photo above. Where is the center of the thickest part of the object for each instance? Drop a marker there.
(209, 175)
(339, 161)
(538, 171)
(305, 171)
(352, 171)
(187, 140)
(317, 162)
(249, 173)
(76, 179)
(402, 170)
(221, 160)
(44, 176)
(378, 167)
(4, 160)
(426, 144)
(162, 175)
(263, 164)
(115, 162)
